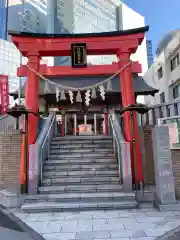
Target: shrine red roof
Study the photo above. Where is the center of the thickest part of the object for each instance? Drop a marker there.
(79, 35)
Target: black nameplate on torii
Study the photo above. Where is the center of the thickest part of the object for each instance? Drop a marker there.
(79, 55)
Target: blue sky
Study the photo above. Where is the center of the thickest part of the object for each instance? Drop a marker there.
(161, 15)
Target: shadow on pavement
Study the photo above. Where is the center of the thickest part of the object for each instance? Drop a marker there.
(12, 227)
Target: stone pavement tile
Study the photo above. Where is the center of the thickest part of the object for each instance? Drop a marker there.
(39, 227)
(74, 229)
(149, 219)
(167, 225)
(173, 219)
(64, 223)
(114, 239)
(140, 226)
(78, 217)
(90, 213)
(45, 227)
(155, 233)
(132, 214)
(93, 235)
(176, 213)
(99, 215)
(160, 214)
(129, 221)
(59, 236)
(92, 221)
(127, 233)
(144, 210)
(106, 226)
(112, 214)
(64, 214)
(43, 218)
(143, 238)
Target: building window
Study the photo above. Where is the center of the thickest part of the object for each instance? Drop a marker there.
(175, 61)
(162, 97)
(176, 91)
(160, 73)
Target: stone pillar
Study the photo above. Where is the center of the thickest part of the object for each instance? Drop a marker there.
(63, 125)
(128, 97)
(75, 124)
(165, 190)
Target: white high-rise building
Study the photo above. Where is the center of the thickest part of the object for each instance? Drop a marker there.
(164, 74)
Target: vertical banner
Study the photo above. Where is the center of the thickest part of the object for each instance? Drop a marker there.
(4, 93)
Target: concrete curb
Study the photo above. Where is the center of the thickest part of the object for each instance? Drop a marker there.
(24, 228)
(171, 235)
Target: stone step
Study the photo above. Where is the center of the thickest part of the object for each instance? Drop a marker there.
(81, 161)
(55, 145)
(82, 155)
(72, 138)
(81, 141)
(80, 197)
(82, 150)
(54, 174)
(59, 207)
(83, 181)
(80, 189)
(80, 167)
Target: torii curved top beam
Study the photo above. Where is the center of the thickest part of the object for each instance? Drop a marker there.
(97, 43)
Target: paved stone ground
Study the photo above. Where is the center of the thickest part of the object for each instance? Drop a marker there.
(144, 224)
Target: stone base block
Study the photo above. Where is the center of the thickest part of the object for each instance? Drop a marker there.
(167, 207)
(11, 200)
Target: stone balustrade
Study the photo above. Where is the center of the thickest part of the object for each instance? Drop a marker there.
(161, 111)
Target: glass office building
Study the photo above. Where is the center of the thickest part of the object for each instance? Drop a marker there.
(2, 18)
(82, 16)
(149, 53)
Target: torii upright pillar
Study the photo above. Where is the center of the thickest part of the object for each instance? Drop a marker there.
(32, 98)
(128, 97)
(32, 104)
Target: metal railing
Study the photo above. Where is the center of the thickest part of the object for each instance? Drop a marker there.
(161, 111)
(45, 148)
(39, 152)
(122, 152)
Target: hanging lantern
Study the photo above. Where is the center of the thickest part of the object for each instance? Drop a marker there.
(71, 96)
(93, 95)
(57, 94)
(63, 96)
(109, 86)
(78, 97)
(102, 92)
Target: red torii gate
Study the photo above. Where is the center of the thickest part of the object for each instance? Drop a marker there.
(121, 43)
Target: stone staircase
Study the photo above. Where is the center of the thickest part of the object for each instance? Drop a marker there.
(81, 174)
